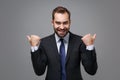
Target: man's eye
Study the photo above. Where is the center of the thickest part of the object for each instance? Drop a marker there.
(65, 23)
(58, 23)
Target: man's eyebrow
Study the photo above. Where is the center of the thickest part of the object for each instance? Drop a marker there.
(58, 22)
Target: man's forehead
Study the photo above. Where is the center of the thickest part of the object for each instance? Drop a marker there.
(59, 17)
(61, 13)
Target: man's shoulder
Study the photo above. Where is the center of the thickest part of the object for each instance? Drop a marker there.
(47, 38)
(75, 35)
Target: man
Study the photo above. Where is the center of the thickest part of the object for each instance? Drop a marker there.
(62, 52)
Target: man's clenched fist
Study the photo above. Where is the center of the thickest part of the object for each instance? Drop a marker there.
(34, 40)
(89, 39)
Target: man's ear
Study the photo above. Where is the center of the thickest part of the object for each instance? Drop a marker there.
(52, 22)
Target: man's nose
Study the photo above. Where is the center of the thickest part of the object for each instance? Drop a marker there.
(62, 26)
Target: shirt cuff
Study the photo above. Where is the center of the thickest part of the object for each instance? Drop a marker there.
(34, 48)
(90, 47)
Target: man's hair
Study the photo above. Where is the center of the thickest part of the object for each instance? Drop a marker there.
(61, 10)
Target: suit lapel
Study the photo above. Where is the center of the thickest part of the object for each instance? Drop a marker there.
(70, 46)
(54, 47)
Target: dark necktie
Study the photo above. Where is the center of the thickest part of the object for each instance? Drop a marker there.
(62, 55)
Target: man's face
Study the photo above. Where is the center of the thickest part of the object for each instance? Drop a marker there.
(61, 24)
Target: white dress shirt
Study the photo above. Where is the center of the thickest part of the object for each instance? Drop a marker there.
(65, 40)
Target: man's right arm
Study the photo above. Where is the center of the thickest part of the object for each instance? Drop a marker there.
(38, 57)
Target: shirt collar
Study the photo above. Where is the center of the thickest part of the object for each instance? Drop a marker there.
(66, 38)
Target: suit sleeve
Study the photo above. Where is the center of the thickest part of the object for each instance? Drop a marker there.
(89, 59)
(39, 60)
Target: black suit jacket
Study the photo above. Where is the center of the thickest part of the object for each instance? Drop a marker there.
(47, 55)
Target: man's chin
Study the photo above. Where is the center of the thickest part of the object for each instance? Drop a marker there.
(61, 35)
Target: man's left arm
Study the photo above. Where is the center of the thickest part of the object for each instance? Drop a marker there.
(88, 55)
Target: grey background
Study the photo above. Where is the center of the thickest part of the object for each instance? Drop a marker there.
(19, 18)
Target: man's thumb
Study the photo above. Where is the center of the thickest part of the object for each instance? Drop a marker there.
(94, 36)
(28, 37)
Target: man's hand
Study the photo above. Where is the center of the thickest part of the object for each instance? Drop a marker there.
(89, 39)
(34, 40)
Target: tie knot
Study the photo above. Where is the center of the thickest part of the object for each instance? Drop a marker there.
(61, 40)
